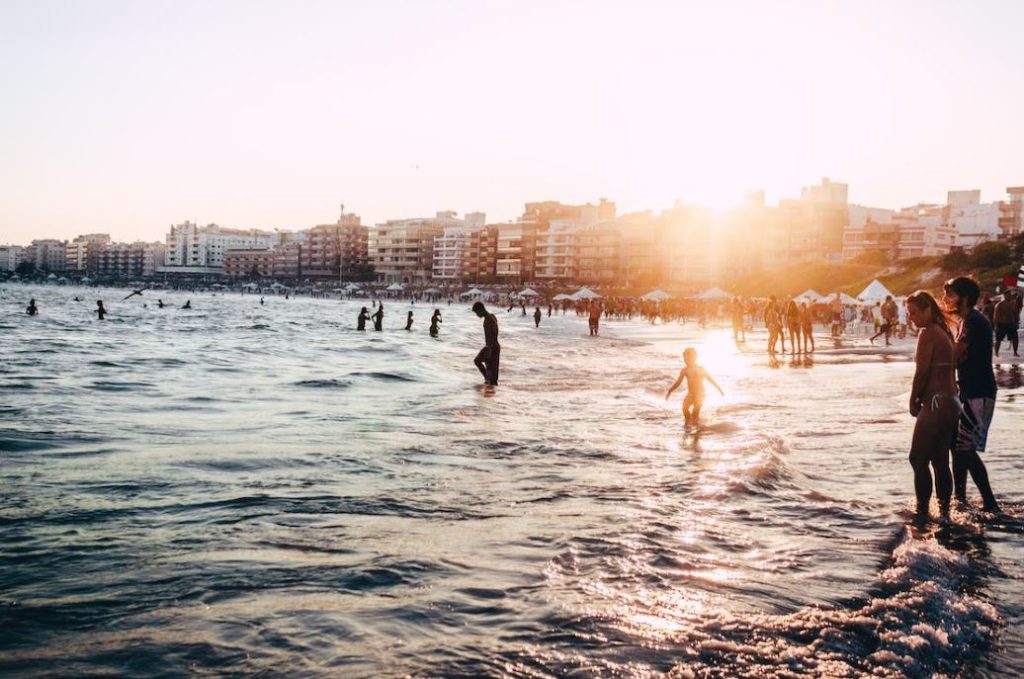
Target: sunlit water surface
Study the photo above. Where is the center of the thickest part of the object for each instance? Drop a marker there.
(263, 490)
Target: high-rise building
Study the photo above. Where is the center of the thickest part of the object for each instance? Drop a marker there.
(83, 252)
(191, 245)
(1011, 212)
(10, 257)
(402, 250)
(338, 251)
(129, 260)
(48, 254)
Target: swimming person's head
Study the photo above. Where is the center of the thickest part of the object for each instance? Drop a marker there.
(960, 294)
(690, 355)
(479, 309)
(923, 310)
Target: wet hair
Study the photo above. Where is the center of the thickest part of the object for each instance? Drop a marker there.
(965, 287)
(689, 352)
(478, 307)
(924, 300)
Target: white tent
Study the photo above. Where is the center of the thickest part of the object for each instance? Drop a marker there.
(656, 296)
(52, 277)
(809, 295)
(528, 292)
(584, 293)
(475, 292)
(843, 297)
(247, 286)
(432, 291)
(560, 296)
(714, 293)
(875, 292)
(395, 287)
(86, 279)
(351, 286)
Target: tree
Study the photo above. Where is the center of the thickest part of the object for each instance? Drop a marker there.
(990, 255)
(25, 268)
(955, 261)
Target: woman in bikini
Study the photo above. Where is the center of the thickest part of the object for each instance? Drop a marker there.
(933, 401)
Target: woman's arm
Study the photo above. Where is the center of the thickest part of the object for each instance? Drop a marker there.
(923, 361)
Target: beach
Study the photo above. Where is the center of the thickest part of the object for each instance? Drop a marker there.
(247, 489)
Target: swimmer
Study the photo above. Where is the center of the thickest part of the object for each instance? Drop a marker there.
(100, 311)
(378, 317)
(364, 315)
(188, 304)
(694, 375)
(487, 360)
(32, 309)
(408, 321)
(434, 320)
(160, 304)
(261, 301)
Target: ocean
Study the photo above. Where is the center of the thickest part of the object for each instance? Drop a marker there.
(249, 490)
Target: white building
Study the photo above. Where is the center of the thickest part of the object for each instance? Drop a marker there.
(555, 258)
(974, 221)
(48, 254)
(77, 252)
(10, 257)
(191, 245)
(451, 249)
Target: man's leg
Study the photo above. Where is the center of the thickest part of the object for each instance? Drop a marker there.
(493, 360)
(480, 363)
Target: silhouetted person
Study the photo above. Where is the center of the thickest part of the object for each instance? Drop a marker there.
(549, 310)
(933, 401)
(1005, 315)
(536, 317)
(694, 375)
(100, 311)
(261, 301)
(160, 304)
(489, 357)
(973, 355)
(595, 317)
(378, 317)
(364, 315)
(32, 309)
(188, 304)
(133, 293)
(408, 321)
(76, 298)
(434, 320)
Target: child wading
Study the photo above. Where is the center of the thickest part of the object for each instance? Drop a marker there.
(694, 376)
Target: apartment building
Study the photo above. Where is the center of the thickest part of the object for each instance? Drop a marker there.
(10, 257)
(402, 250)
(249, 262)
(48, 254)
(338, 251)
(191, 245)
(1011, 212)
(82, 254)
(129, 260)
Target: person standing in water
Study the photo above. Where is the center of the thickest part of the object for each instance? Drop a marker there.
(187, 305)
(364, 315)
(973, 355)
(595, 317)
(435, 319)
(807, 326)
(408, 321)
(100, 311)
(694, 375)
(160, 304)
(536, 317)
(32, 309)
(489, 357)
(934, 402)
(378, 317)
(1005, 315)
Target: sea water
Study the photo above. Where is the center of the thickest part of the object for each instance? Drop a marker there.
(251, 489)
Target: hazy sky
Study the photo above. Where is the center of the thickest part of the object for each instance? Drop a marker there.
(125, 117)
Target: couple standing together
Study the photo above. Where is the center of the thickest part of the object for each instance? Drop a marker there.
(953, 411)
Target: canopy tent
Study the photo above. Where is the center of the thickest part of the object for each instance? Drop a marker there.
(584, 293)
(714, 293)
(86, 279)
(561, 296)
(656, 296)
(277, 286)
(844, 298)
(248, 286)
(528, 292)
(52, 277)
(395, 287)
(809, 295)
(432, 291)
(875, 292)
(474, 292)
(351, 286)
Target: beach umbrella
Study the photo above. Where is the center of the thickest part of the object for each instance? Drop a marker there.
(432, 291)
(584, 293)
(475, 292)
(714, 293)
(875, 292)
(656, 296)
(395, 287)
(529, 292)
(561, 296)
(844, 298)
(809, 295)
(52, 277)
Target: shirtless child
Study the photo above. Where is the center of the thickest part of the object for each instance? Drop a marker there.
(694, 376)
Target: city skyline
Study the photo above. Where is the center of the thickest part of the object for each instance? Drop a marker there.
(124, 119)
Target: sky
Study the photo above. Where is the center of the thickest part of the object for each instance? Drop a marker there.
(127, 117)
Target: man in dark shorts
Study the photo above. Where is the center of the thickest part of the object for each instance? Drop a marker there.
(1006, 321)
(487, 360)
(973, 355)
(595, 316)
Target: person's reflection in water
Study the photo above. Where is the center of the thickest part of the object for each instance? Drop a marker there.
(1009, 378)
